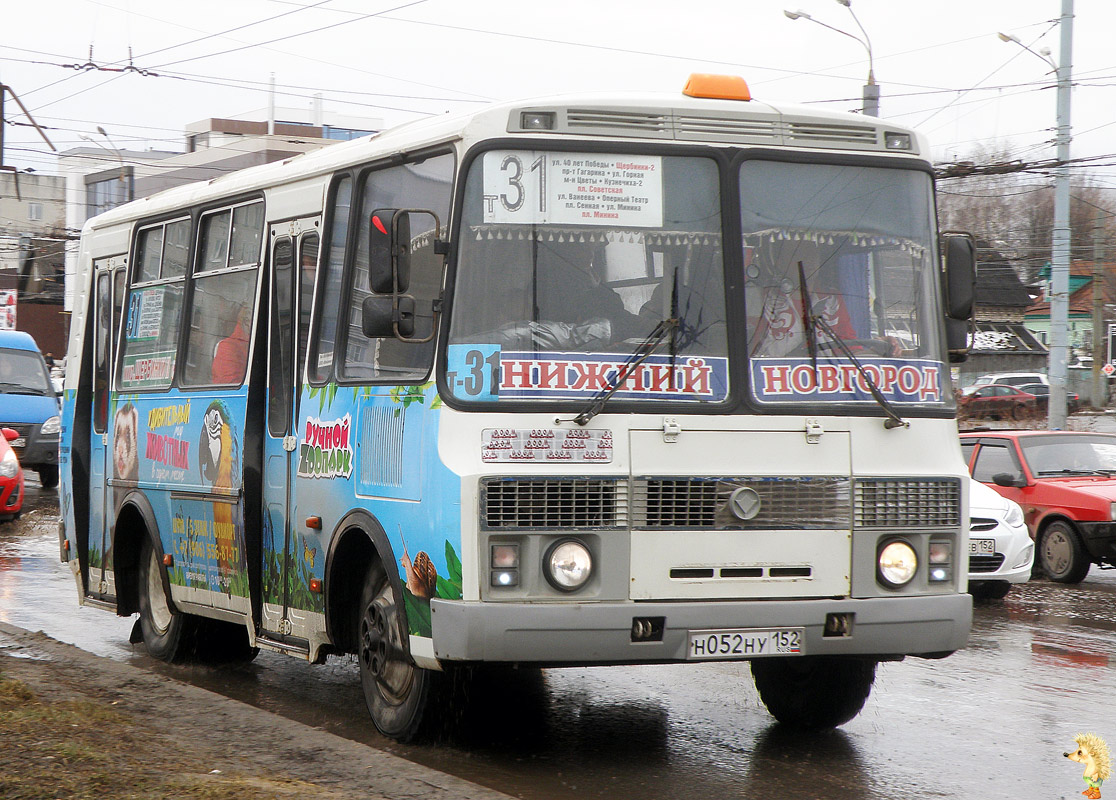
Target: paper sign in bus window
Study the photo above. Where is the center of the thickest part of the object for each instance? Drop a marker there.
(526, 186)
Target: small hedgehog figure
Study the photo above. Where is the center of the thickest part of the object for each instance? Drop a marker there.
(1093, 753)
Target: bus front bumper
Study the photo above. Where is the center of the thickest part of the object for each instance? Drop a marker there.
(602, 633)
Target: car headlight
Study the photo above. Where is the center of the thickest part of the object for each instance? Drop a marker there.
(9, 465)
(52, 426)
(1112, 511)
(897, 563)
(568, 565)
(1014, 515)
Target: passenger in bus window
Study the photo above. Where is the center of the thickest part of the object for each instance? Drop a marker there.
(231, 354)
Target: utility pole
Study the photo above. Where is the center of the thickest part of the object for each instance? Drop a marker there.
(1099, 394)
(1060, 250)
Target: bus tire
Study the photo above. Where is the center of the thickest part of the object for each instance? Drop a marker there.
(396, 691)
(1061, 554)
(814, 692)
(167, 634)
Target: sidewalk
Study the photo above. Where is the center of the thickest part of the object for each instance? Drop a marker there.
(79, 726)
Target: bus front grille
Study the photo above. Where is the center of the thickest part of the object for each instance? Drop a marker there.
(818, 503)
(706, 503)
(553, 503)
(907, 503)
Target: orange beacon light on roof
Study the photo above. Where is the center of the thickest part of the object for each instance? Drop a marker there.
(718, 87)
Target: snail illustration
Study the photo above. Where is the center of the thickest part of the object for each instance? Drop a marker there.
(422, 577)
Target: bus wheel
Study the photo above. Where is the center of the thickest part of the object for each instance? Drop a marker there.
(814, 692)
(395, 690)
(167, 634)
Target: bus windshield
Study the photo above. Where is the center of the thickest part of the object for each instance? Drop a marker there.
(570, 261)
(854, 244)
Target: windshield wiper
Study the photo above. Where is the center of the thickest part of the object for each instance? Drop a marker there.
(1074, 472)
(811, 322)
(638, 356)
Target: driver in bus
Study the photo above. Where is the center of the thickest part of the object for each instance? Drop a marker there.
(573, 307)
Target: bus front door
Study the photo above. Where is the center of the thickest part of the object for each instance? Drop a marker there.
(290, 592)
(108, 296)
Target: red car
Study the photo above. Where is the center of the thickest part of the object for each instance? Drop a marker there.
(996, 400)
(1066, 483)
(11, 477)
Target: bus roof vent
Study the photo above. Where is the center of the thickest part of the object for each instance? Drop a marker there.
(632, 122)
(731, 129)
(821, 134)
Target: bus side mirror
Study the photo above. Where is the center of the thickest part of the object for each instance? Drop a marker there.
(959, 292)
(386, 316)
(959, 281)
(389, 250)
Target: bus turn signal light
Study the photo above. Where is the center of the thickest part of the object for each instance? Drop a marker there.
(717, 87)
(168, 560)
(316, 585)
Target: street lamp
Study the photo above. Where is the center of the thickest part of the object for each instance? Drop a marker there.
(870, 94)
(1060, 247)
(115, 151)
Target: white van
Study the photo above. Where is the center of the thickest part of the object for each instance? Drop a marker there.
(1012, 378)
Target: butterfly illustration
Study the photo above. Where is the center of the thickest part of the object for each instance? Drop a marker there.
(308, 554)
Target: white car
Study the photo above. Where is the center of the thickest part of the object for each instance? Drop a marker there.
(1000, 549)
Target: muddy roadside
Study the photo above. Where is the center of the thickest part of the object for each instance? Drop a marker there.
(75, 725)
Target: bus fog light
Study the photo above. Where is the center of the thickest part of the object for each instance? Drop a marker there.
(505, 577)
(505, 556)
(941, 552)
(568, 565)
(897, 563)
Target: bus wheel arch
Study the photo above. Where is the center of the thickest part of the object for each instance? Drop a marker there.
(366, 615)
(135, 523)
(358, 541)
(143, 585)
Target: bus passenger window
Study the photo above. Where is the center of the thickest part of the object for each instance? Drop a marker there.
(224, 294)
(153, 312)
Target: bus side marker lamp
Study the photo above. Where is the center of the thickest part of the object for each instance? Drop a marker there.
(314, 523)
(316, 585)
(168, 560)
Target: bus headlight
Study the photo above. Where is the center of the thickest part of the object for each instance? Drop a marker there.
(568, 565)
(897, 563)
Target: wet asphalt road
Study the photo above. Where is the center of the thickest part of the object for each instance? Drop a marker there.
(992, 721)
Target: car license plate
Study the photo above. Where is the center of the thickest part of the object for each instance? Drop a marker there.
(744, 643)
(20, 442)
(982, 547)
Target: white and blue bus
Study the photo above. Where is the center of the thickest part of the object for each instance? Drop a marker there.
(614, 379)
